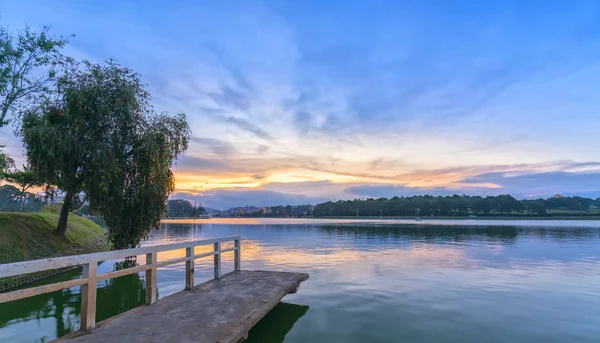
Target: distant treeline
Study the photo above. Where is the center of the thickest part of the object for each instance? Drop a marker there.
(456, 205)
(179, 208)
(279, 211)
(418, 205)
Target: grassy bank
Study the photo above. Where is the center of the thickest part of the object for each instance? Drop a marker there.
(28, 236)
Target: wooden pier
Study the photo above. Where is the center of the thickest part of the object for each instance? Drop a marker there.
(221, 310)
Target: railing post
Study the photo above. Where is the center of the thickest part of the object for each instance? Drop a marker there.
(218, 260)
(189, 268)
(88, 296)
(151, 278)
(236, 255)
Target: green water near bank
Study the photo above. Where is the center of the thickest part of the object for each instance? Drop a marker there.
(375, 282)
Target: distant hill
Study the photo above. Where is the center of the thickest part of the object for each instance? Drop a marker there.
(212, 210)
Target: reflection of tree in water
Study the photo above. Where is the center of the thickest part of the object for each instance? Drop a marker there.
(427, 233)
(432, 233)
(63, 305)
(120, 294)
(276, 324)
(186, 230)
(562, 234)
(115, 296)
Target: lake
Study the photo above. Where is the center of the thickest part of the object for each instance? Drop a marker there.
(375, 281)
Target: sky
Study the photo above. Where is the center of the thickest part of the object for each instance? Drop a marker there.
(295, 102)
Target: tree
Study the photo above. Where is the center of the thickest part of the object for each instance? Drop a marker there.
(28, 64)
(534, 206)
(6, 162)
(100, 135)
(8, 197)
(183, 208)
(25, 179)
(179, 208)
(482, 205)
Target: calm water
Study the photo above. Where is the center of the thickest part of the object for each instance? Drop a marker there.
(374, 281)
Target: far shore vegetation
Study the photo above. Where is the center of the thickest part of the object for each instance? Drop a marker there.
(441, 207)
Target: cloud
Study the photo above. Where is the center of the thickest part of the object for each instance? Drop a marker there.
(216, 146)
(224, 199)
(543, 184)
(247, 126)
(259, 176)
(521, 185)
(319, 105)
(200, 165)
(388, 191)
(232, 98)
(262, 148)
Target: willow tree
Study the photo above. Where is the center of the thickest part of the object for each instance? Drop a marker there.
(99, 135)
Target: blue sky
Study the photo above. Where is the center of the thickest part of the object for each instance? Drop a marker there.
(302, 101)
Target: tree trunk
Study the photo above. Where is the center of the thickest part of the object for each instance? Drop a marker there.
(22, 198)
(61, 228)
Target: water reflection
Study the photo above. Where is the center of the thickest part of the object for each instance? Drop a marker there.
(372, 282)
(62, 307)
(121, 294)
(276, 324)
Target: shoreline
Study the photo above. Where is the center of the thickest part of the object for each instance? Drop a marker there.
(590, 217)
(516, 218)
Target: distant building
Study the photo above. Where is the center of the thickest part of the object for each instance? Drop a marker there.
(557, 196)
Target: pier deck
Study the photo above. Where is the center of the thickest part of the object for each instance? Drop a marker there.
(221, 310)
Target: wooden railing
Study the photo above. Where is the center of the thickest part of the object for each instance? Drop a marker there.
(90, 277)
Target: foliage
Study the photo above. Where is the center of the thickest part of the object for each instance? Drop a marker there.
(428, 205)
(28, 66)
(25, 179)
(270, 211)
(6, 162)
(10, 200)
(101, 136)
(86, 210)
(179, 208)
(122, 293)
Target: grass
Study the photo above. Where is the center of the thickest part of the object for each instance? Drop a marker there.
(28, 236)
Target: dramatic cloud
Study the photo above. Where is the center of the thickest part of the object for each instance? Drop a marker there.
(292, 100)
(388, 191)
(543, 184)
(519, 185)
